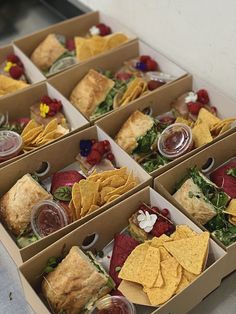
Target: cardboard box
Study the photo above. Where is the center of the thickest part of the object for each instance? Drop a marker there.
(18, 105)
(52, 158)
(104, 232)
(160, 102)
(31, 71)
(218, 153)
(77, 26)
(113, 62)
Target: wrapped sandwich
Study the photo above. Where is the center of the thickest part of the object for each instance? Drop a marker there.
(16, 205)
(201, 197)
(76, 283)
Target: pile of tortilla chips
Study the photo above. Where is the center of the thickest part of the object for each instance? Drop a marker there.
(207, 126)
(35, 135)
(135, 89)
(89, 47)
(164, 266)
(231, 211)
(99, 189)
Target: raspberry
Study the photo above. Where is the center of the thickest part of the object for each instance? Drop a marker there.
(155, 209)
(46, 100)
(110, 156)
(143, 207)
(13, 58)
(152, 65)
(99, 146)
(165, 212)
(15, 72)
(104, 29)
(94, 157)
(93, 141)
(160, 227)
(70, 44)
(213, 110)
(194, 107)
(144, 58)
(107, 145)
(203, 97)
(153, 84)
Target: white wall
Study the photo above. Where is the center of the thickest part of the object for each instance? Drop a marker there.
(199, 35)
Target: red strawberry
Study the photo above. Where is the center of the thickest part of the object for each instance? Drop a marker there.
(94, 157)
(46, 100)
(110, 156)
(99, 146)
(12, 58)
(152, 65)
(104, 29)
(203, 97)
(194, 107)
(160, 227)
(153, 84)
(144, 58)
(70, 44)
(107, 145)
(15, 72)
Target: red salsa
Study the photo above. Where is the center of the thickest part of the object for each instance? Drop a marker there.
(10, 145)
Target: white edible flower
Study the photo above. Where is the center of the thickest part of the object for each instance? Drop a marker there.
(146, 220)
(192, 97)
(94, 30)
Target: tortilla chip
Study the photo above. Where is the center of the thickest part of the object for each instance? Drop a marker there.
(191, 252)
(189, 276)
(232, 220)
(201, 134)
(88, 190)
(73, 210)
(51, 126)
(182, 231)
(76, 199)
(32, 134)
(164, 254)
(103, 193)
(207, 118)
(92, 209)
(114, 40)
(158, 241)
(29, 126)
(132, 267)
(151, 267)
(112, 198)
(184, 121)
(172, 274)
(231, 209)
(159, 281)
(183, 283)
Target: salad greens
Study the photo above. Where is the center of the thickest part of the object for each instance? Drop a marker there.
(231, 172)
(154, 163)
(145, 142)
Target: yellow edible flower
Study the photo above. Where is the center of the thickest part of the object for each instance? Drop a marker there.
(44, 109)
(8, 66)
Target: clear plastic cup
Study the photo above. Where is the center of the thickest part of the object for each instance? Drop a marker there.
(175, 141)
(47, 217)
(113, 304)
(10, 144)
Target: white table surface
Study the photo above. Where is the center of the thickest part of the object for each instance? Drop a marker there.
(221, 301)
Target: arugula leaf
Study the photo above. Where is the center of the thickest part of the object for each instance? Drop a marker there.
(226, 236)
(154, 163)
(145, 142)
(231, 172)
(63, 193)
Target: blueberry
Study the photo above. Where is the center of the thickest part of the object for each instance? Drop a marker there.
(85, 147)
(141, 66)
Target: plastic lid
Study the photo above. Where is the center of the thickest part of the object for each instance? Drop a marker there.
(121, 303)
(10, 143)
(175, 140)
(48, 217)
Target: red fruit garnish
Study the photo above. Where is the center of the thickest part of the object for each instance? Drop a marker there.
(152, 65)
(107, 145)
(123, 76)
(143, 207)
(165, 212)
(70, 44)
(22, 121)
(153, 84)
(16, 72)
(104, 29)
(144, 58)
(94, 157)
(194, 107)
(12, 58)
(93, 141)
(46, 100)
(160, 227)
(99, 146)
(203, 97)
(110, 156)
(155, 209)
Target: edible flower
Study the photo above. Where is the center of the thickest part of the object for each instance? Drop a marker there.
(146, 220)
(191, 97)
(44, 109)
(9, 64)
(85, 147)
(94, 31)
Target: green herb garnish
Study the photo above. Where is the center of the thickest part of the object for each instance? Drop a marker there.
(231, 172)
(154, 163)
(63, 193)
